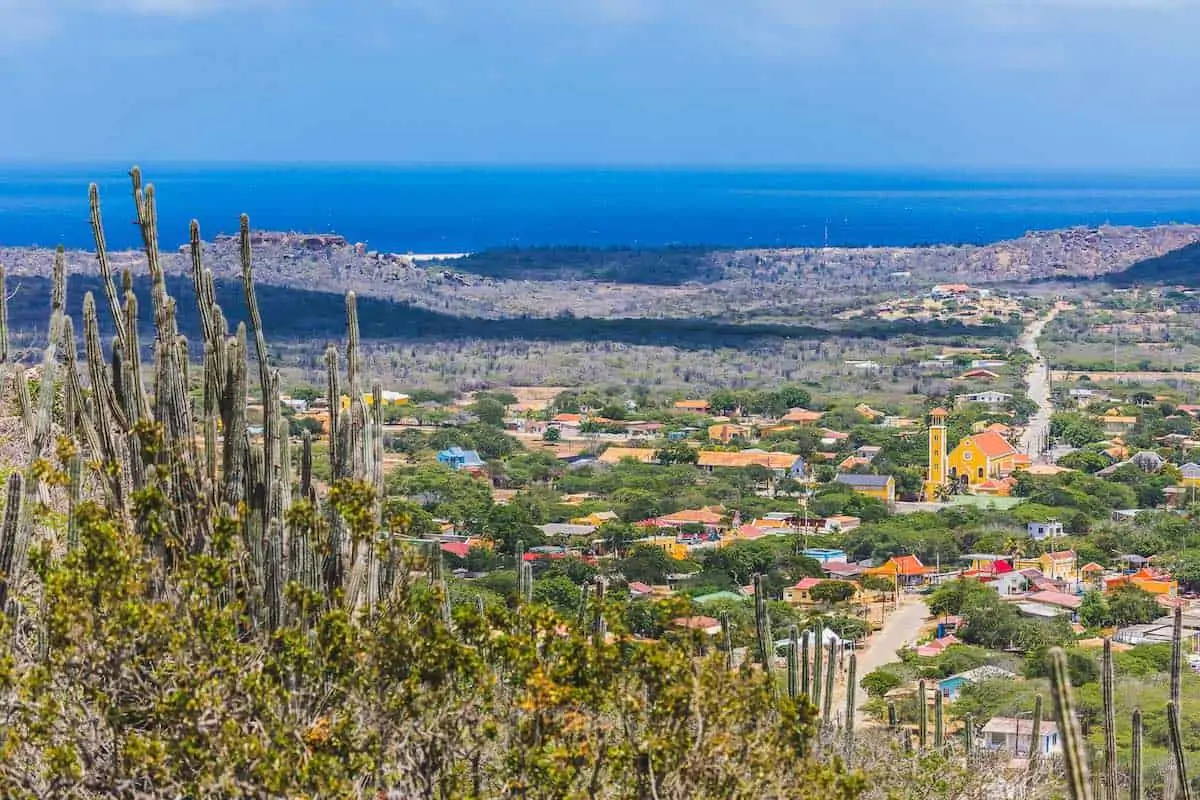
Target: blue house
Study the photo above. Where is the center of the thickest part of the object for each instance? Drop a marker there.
(457, 459)
(825, 554)
(952, 686)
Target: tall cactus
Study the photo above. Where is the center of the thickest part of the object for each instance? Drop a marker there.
(938, 722)
(805, 686)
(851, 677)
(818, 673)
(969, 736)
(1175, 739)
(893, 720)
(766, 648)
(1074, 747)
(830, 674)
(10, 532)
(1136, 790)
(1035, 751)
(1108, 700)
(1176, 655)
(527, 582)
(793, 663)
(922, 715)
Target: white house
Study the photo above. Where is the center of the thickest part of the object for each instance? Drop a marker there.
(1046, 530)
(1011, 735)
(988, 398)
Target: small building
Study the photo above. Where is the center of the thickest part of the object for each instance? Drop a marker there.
(1190, 475)
(458, 459)
(1052, 529)
(979, 375)
(615, 455)
(841, 570)
(802, 416)
(1013, 735)
(952, 686)
(727, 432)
(990, 398)
(881, 487)
(781, 465)
(801, 593)
(1114, 422)
(825, 554)
(1061, 565)
(692, 406)
(905, 570)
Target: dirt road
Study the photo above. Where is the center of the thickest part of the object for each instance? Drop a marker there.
(900, 629)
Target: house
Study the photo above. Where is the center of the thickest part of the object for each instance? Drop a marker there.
(952, 686)
(386, 398)
(727, 432)
(637, 590)
(881, 487)
(1045, 530)
(1190, 473)
(692, 406)
(990, 398)
(1063, 602)
(840, 523)
(1160, 584)
(714, 597)
(782, 464)
(825, 554)
(596, 518)
(905, 570)
(841, 570)
(979, 375)
(981, 457)
(615, 455)
(1059, 566)
(1114, 422)
(801, 593)
(937, 646)
(458, 459)
(949, 290)
(710, 517)
(566, 530)
(802, 416)
(1013, 735)
(705, 625)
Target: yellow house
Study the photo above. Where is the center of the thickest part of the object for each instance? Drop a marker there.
(386, 399)
(674, 549)
(881, 487)
(1059, 566)
(981, 457)
(1113, 421)
(1190, 475)
(726, 432)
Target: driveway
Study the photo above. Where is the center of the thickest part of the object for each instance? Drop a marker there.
(900, 629)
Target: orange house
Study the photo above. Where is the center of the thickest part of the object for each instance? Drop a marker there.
(982, 457)
(904, 570)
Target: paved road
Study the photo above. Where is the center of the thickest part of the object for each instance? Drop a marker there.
(900, 629)
(1038, 384)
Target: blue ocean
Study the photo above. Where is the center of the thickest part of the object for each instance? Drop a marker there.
(458, 209)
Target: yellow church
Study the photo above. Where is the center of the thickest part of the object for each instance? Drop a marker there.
(976, 462)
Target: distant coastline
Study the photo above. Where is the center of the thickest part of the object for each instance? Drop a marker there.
(434, 210)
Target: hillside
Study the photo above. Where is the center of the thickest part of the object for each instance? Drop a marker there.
(788, 286)
(1180, 267)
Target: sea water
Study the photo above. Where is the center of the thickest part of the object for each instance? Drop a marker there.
(462, 209)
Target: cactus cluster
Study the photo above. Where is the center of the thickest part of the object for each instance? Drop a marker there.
(1083, 784)
(132, 435)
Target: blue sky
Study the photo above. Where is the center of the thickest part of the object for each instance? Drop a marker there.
(995, 83)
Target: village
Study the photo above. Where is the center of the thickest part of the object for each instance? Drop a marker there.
(947, 548)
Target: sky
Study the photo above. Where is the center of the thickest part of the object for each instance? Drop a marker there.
(1065, 84)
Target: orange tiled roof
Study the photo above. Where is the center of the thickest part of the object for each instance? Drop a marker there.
(802, 415)
(614, 455)
(693, 405)
(746, 458)
(993, 445)
(700, 515)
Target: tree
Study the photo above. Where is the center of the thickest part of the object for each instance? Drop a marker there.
(954, 597)
(558, 591)
(489, 411)
(1130, 605)
(880, 681)
(832, 592)
(510, 523)
(647, 564)
(677, 453)
(551, 435)
(1093, 610)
